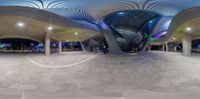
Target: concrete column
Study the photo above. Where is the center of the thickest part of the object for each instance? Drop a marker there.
(47, 44)
(60, 47)
(187, 45)
(167, 47)
(149, 47)
(163, 47)
(114, 47)
(175, 48)
(82, 46)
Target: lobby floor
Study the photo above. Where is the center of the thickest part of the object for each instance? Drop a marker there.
(79, 75)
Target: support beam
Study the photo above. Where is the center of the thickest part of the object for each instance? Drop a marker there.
(60, 47)
(47, 44)
(114, 47)
(187, 45)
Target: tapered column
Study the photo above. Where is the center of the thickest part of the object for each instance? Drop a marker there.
(60, 47)
(114, 47)
(112, 43)
(187, 45)
(47, 44)
(82, 46)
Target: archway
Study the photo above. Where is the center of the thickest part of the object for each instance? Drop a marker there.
(185, 28)
(43, 25)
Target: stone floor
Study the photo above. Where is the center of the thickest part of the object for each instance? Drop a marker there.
(78, 75)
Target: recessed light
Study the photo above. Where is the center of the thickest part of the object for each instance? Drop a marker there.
(188, 29)
(50, 28)
(76, 33)
(151, 22)
(20, 24)
(121, 13)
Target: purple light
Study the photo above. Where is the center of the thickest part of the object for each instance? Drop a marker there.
(104, 26)
(159, 35)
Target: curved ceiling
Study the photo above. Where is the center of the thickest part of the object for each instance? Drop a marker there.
(37, 22)
(94, 10)
(189, 18)
(132, 28)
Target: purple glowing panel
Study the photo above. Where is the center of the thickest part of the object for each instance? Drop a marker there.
(103, 25)
(161, 34)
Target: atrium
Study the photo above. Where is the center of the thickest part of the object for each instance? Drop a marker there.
(99, 49)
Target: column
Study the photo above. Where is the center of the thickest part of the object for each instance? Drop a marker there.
(82, 46)
(187, 45)
(149, 47)
(114, 47)
(163, 47)
(175, 48)
(47, 44)
(60, 47)
(167, 47)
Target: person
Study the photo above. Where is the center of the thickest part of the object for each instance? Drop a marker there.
(105, 49)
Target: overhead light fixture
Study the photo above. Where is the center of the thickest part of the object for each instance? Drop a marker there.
(50, 28)
(188, 29)
(20, 24)
(54, 45)
(121, 13)
(151, 22)
(76, 33)
(174, 38)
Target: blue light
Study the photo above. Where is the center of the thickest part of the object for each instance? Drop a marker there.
(198, 46)
(121, 13)
(40, 45)
(151, 22)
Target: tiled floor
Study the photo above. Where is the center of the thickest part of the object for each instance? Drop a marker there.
(78, 75)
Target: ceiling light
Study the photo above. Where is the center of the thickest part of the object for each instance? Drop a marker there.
(76, 33)
(50, 28)
(174, 38)
(20, 24)
(121, 13)
(151, 22)
(188, 29)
